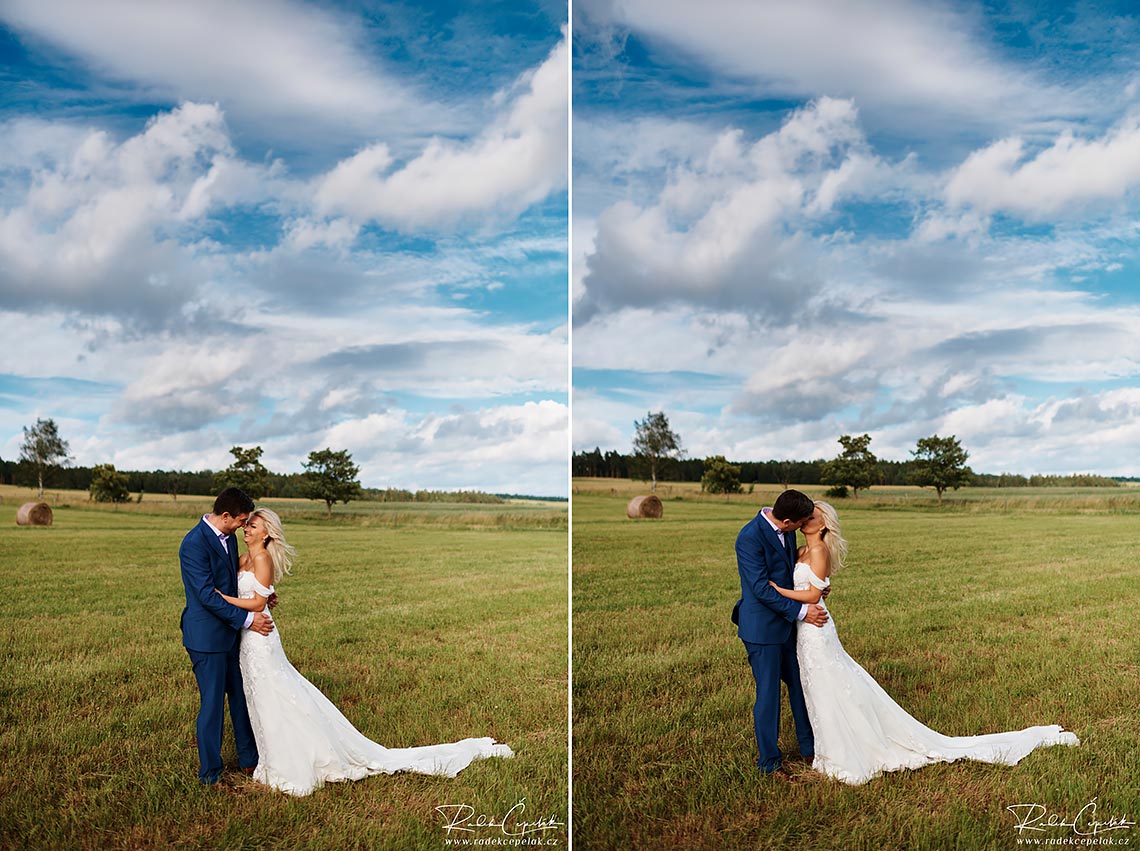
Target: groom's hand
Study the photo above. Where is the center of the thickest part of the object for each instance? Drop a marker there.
(262, 624)
(825, 592)
(272, 601)
(816, 615)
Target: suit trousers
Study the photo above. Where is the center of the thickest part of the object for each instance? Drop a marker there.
(219, 677)
(771, 663)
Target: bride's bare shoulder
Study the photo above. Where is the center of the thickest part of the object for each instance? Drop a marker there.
(818, 558)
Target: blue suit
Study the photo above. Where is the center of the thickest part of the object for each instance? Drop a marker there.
(766, 624)
(211, 632)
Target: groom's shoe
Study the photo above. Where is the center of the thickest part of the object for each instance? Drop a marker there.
(783, 775)
(800, 758)
(248, 769)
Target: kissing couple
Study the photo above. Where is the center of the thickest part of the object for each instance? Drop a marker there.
(847, 726)
(288, 735)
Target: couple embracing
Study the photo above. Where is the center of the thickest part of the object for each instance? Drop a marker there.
(847, 726)
(288, 735)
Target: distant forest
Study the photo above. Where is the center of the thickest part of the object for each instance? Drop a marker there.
(615, 465)
(201, 483)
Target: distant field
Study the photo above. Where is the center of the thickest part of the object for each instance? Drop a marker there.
(516, 513)
(1125, 498)
(983, 616)
(451, 626)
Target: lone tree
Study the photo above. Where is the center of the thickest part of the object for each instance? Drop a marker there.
(785, 470)
(331, 476)
(856, 467)
(42, 449)
(940, 463)
(246, 472)
(720, 476)
(109, 485)
(175, 485)
(655, 444)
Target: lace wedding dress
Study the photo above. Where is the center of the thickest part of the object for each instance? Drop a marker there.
(303, 740)
(860, 732)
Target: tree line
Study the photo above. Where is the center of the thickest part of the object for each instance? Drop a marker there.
(616, 465)
(937, 462)
(330, 476)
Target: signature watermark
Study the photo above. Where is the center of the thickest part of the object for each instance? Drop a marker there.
(1036, 825)
(463, 826)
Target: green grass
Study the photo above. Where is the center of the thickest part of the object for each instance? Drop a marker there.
(975, 619)
(421, 634)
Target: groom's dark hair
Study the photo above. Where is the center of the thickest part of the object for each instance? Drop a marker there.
(233, 501)
(792, 505)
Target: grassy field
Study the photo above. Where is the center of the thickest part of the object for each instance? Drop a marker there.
(990, 614)
(423, 630)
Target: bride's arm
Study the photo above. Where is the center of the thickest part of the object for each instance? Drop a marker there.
(256, 603)
(263, 572)
(808, 595)
(819, 560)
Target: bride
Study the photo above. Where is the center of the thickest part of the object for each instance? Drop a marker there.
(859, 731)
(303, 740)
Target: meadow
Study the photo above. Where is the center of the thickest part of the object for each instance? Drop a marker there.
(996, 611)
(424, 624)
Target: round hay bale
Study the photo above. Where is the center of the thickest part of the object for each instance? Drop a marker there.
(644, 506)
(34, 514)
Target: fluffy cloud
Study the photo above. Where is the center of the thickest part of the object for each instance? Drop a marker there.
(726, 230)
(100, 226)
(524, 444)
(518, 160)
(1059, 180)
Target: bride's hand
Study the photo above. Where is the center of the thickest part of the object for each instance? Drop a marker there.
(825, 592)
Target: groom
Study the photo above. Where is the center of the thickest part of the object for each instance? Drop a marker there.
(766, 550)
(211, 630)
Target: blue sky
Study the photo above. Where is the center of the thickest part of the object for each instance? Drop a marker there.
(796, 221)
(289, 224)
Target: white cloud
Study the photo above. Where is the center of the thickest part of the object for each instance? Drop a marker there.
(518, 160)
(277, 61)
(505, 449)
(522, 448)
(900, 60)
(96, 226)
(302, 234)
(727, 230)
(1058, 181)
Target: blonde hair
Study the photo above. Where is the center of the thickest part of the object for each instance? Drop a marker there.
(279, 549)
(831, 535)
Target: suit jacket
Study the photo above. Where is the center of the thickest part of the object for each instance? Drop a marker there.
(209, 624)
(762, 615)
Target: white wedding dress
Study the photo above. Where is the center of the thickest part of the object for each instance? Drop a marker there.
(860, 732)
(303, 740)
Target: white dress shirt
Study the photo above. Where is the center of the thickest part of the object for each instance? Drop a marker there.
(225, 539)
(767, 513)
